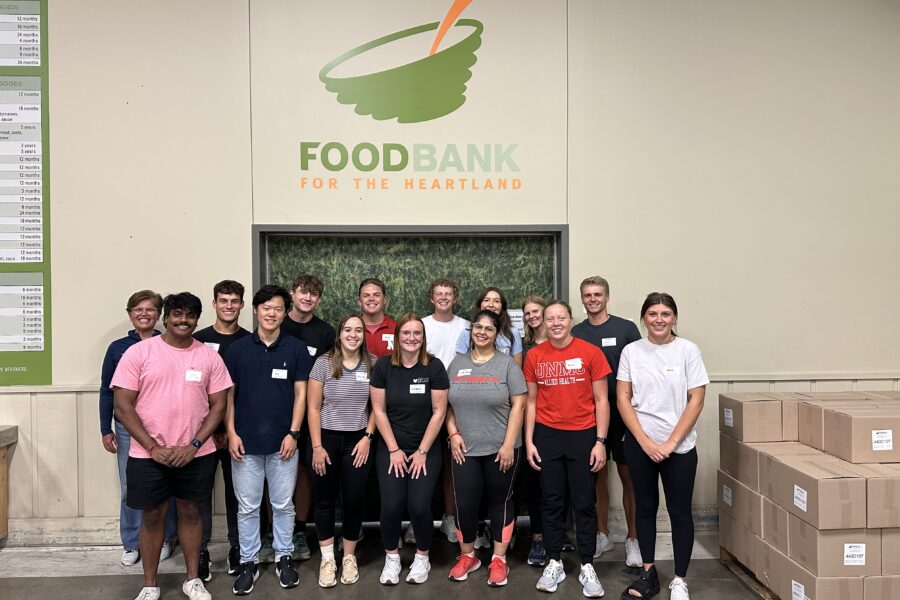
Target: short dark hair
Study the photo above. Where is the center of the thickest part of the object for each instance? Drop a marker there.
(182, 301)
(227, 287)
(267, 292)
(495, 321)
(138, 297)
(308, 282)
(371, 281)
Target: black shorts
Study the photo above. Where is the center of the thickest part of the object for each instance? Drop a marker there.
(151, 483)
(615, 437)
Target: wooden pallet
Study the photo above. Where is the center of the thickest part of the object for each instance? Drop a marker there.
(745, 575)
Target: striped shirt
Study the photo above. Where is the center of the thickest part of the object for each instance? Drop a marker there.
(345, 401)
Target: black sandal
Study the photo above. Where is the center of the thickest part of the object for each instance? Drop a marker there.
(647, 585)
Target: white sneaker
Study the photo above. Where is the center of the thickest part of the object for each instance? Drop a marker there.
(590, 584)
(483, 540)
(410, 536)
(678, 590)
(448, 528)
(327, 573)
(148, 593)
(349, 570)
(633, 553)
(553, 575)
(604, 544)
(194, 590)
(390, 574)
(130, 557)
(418, 571)
(166, 551)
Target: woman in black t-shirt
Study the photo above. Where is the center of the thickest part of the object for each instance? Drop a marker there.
(409, 398)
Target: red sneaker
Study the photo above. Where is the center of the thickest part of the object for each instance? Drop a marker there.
(498, 570)
(464, 565)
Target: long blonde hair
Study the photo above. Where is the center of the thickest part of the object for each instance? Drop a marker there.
(529, 330)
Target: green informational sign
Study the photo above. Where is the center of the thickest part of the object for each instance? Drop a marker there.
(24, 195)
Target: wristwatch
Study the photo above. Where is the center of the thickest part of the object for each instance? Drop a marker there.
(422, 452)
(294, 434)
(601, 439)
(196, 443)
(370, 435)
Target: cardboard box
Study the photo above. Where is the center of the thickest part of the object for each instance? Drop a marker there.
(750, 417)
(835, 552)
(768, 565)
(738, 541)
(830, 396)
(882, 588)
(882, 493)
(819, 491)
(890, 551)
(740, 503)
(811, 421)
(773, 450)
(861, 435)
(790, 402)
(798, 583)
(775, 526)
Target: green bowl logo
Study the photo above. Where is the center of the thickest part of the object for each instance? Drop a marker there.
(422, 90)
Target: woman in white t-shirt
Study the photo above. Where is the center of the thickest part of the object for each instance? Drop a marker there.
(661, 387)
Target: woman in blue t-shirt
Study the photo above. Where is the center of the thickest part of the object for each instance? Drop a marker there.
(509, 340)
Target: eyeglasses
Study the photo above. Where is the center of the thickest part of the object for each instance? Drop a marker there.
(484, 328)
(143, 311)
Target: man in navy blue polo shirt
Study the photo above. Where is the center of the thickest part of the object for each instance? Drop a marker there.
(265, 409)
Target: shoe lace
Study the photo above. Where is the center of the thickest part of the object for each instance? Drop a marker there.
(145, 594)
(589, 573)
(497, 567)
(553, 568)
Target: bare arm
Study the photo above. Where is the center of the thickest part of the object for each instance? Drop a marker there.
(235, 443)
(531, 452)
(438, 412)
(600, 390)
(320, 456)
(624, 392)
(506, 453)
(123, 400)
(696, 399)
(182, 455)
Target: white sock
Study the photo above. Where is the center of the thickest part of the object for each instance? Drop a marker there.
(393, 557)
(471, 554)
(503, 558)
(327, 552)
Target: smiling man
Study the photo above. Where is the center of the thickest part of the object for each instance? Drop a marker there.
(169, 393)
(265, 408)
(379, 326)
(303, 324)
(228, 300)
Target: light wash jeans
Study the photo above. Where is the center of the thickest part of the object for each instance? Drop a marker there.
(130, 518)
(248, 476)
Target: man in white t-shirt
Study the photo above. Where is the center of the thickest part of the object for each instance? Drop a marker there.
(442, 329)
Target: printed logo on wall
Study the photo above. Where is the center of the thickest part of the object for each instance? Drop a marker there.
(422, 90)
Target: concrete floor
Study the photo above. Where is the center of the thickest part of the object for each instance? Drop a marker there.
(94, 573)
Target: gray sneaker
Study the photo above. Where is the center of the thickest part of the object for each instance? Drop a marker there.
(590, 584)
(553, 575)
(266, 552)
(301, 548)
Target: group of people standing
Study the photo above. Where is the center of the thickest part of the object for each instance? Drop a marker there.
(303, 413)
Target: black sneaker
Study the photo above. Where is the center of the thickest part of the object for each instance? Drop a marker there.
(234, 560)
(286, 573)
(243, 585)
(203, 567)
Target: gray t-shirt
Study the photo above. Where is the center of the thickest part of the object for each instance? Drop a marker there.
(479, 395)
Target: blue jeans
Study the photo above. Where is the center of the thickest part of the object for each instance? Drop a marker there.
(130, 518)
(248, 476)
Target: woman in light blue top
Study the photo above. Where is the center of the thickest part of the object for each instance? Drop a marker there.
(509, 340)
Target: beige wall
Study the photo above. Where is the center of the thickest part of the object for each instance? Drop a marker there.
(739, 155)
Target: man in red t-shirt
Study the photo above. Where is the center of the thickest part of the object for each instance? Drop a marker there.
(379, 326)
(566, 421)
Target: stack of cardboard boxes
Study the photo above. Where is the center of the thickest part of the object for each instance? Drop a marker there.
(809, 492)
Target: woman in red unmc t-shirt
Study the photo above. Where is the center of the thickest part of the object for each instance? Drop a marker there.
(566, 421)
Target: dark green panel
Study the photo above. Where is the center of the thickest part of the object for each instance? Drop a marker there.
(518, 265)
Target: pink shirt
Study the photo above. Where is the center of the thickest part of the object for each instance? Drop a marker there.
(173, 387)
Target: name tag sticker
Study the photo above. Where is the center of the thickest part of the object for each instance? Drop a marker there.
(193, 376)
(671, 370)
(608, 342)
(388, 338)
(212, 345)
(573, 364)
(464, 372)
(312, 350)
(417, 388)
(279, 373)
(362, 377)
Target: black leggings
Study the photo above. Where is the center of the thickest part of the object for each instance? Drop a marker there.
(399, 493)
(677, 473)
(470, 480)
(340, 476)
(566, 463)
(224, 457)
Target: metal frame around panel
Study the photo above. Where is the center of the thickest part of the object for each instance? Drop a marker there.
(560, 235)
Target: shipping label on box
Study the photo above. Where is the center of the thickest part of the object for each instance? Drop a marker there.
(862, 436)
(799, 584)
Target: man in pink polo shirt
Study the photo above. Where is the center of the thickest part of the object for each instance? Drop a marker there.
(169, 393)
